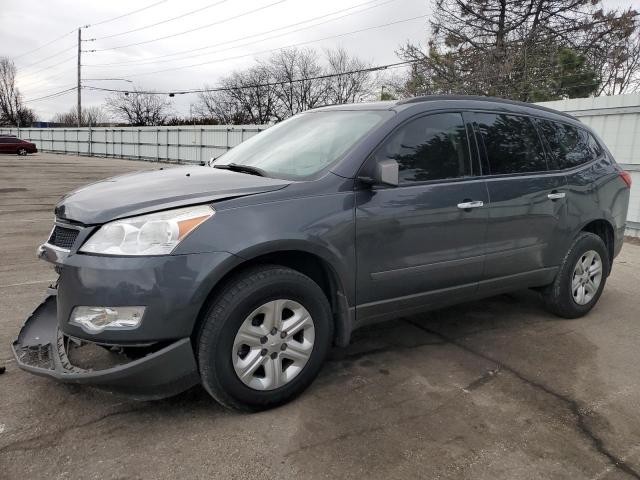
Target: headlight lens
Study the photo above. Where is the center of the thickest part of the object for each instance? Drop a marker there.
(96, 319)
(153, 234)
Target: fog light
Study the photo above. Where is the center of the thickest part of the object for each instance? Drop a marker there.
(97, 319)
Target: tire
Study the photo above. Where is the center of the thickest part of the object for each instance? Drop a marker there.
(561, 298)
(219, 350)
(22, 152)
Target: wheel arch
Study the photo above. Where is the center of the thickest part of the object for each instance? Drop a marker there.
(306, 261)
(604, 229)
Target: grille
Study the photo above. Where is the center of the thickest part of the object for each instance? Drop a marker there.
(63, 237)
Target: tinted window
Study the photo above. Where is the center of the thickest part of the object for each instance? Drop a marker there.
(511, 142)
(570, 146)
(429, 148)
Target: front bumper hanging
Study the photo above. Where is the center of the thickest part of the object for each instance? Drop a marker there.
(41, 348)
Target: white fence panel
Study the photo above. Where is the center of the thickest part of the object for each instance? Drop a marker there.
(184, 144)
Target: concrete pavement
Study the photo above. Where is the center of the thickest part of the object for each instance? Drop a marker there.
(497, 389)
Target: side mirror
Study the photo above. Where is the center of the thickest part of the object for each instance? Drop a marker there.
(385, 172)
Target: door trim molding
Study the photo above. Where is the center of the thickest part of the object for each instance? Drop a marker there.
(429, 267)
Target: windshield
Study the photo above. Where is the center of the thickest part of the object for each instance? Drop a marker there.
(303, 145)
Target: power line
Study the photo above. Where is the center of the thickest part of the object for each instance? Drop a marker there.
(60, 52)
(51, 89)
(259, 85)
(130, 62)
(190, 30)
(159, 23)
(53, 95)
(44, 45)
(42, 80)
(74, 30)
(273, 49)
(124, 15)
(52, 66)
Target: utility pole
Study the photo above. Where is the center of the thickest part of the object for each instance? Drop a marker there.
(79, 85)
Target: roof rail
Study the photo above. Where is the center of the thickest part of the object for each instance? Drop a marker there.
(430, 98)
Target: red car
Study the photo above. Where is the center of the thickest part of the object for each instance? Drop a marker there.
(12, 144)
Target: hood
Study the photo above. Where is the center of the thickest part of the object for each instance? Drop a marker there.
(143, 192)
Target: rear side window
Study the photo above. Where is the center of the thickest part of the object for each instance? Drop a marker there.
(433, 147)
(511, 142)
(569, 145)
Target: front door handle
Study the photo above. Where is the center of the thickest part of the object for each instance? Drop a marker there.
(472, 204)
(556, 195)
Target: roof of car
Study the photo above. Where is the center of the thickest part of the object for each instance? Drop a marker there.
(408, 102)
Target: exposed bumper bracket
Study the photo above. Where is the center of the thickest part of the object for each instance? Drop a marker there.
(40, 349)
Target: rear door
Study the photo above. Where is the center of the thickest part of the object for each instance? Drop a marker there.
(586, 167)
(527, 202)
(417, 244)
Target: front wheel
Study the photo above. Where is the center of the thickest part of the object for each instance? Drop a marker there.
(22, 152)
(264, 338)
(581, 278)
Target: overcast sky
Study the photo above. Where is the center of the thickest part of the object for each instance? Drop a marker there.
(235, 32)
(234, 42)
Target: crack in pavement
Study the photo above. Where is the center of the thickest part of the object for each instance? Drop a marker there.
(484, 378)
(574, 406)
(50, 439)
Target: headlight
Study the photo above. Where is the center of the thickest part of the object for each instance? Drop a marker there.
(153, 234)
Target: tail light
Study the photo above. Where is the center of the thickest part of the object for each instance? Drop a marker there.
(626, 176)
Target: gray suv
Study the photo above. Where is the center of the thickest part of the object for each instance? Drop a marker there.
(241, 275)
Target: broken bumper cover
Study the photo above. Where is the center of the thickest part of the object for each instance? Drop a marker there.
(41, 349)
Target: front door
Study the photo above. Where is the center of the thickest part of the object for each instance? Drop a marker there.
(421, 243)
(528, 206)
(4, 144)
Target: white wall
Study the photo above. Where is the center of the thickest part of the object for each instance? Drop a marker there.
(617, 120)
(185, 144)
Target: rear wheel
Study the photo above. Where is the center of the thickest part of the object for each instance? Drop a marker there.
(581, 278)
(264, 338)
(22, 151)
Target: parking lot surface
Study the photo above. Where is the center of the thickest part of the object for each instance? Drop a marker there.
(496, 389)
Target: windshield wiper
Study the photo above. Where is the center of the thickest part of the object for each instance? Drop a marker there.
(242, 169)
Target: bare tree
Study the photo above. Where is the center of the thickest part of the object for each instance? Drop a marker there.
(222, 107)
(289, 82)
(245, 97)
(297, 86)
(253, 91)
(12, 110)
(90, 116)
(618, 60)
(345, 87)
(139, 108)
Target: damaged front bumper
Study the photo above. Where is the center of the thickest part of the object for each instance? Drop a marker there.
(41, 348)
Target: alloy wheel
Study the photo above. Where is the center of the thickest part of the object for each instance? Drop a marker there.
(586, 278)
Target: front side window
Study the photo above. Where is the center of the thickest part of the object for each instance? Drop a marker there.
(305, 144)
(569, 145)
(433, 147)
(511, 142)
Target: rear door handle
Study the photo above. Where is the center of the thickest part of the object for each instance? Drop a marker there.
(556, 195)
(474, 204)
